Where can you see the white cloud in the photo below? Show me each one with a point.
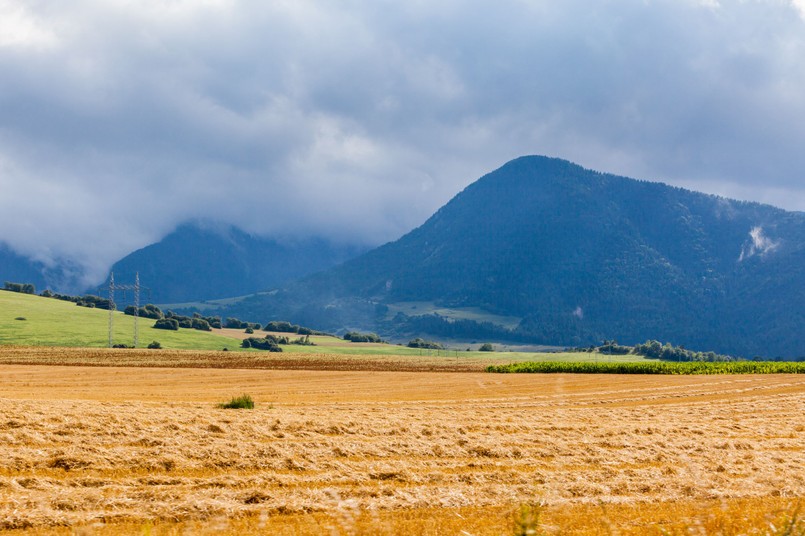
(800, 6)
(357, 120)
(20, 28)
(758, 244)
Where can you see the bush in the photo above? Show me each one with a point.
(422, 343)
(148, 311)
(354, 336)
(25, 288)
(154, 346)
(92, 301)
(486, 347)
(281, 327)
(249, 330)
(303, 341)
(122, 346)
(167, 323)
(240, 402)
(269, 343)
(613, 348)
(200, 324)
(234, 323)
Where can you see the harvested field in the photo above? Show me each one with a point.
(124, 450)
(104, 357)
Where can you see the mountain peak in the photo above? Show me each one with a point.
(572, 256)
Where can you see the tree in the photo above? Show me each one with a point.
(486, 347)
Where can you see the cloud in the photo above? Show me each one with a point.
(356, 121)
(758, 244)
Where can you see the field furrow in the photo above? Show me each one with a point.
(82, 445)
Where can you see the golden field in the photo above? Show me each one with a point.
(123, 450)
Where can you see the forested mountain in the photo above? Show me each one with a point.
(200, 261)
(576, 256)
(18, 269)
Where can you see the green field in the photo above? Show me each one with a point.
(654, 367)
(51, 322)
(333, 345)
(453, 313)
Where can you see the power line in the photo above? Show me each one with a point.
(136, 288)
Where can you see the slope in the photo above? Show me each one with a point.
(579, 256)
(200, 261)
(18, 269)
(27, 320)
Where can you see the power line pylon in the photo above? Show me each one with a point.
(136, 288)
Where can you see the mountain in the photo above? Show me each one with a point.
(200, 261)
(572, 256)
(18, 269)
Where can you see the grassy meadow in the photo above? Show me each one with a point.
(51, 322)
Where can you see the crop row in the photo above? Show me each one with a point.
(696, 367)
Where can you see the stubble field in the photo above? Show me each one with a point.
(119, 450)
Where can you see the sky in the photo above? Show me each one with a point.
(355, 121)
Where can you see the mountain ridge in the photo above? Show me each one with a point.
(201, 261)
(579, 255)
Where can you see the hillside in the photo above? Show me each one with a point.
(27, 320)
(18, 269)
(51, 322)
(203, 262)
(576, 256)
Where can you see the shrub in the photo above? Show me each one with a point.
(148, 311)
(122, 346)
(269, 343)
(200, 324)
(281, 327)
(92, 301)
(25, 288)
(354, 336)
(527, 520)
(303, 341)
(613, 348)
(234, 323)
(154, 346)
(249, 330)
(240, 402)
(167, 323)
(421, 343)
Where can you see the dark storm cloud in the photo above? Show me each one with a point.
(357, 120)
